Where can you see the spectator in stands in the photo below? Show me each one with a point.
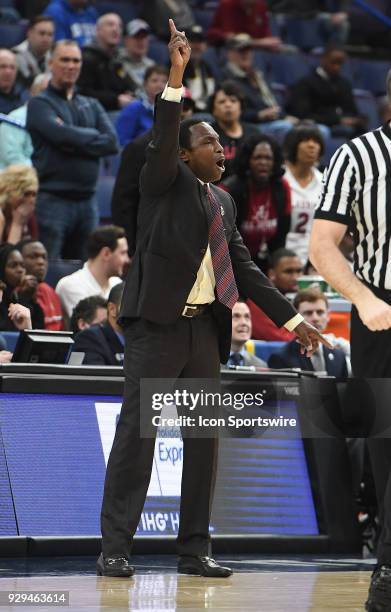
(16, 146)
(104, 344)
(74, 20)
(70, 133)
(312, 304)
(241, 333)
(243, 16)
(199, 76)
(261, 106)
(107, 250)
(89, 311)
(303, 148)
(226, 107)
(325, 96)
(35, 258)
(18, 194)
(158, 12)
(20, 288)
(134, 56)
(126, 194)
(12, 94)
(284, 269)
(103, 75)
(33, 54)
(137, 117)
(262, 197)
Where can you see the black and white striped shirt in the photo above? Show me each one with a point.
(357, 192)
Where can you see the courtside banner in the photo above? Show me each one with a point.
(55, 454)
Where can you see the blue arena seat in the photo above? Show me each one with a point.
(103, 193)
(12, 34)
(373, 76)
(109, 165)
(285, 68)
(10, 339)
(264, 349)
(61, 267)
(204, 17)
(303, 33)
(158, 51)
(367, 105)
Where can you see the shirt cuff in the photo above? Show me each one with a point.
(172, 94)
(293, 322)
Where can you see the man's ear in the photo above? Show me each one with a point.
(184, 155)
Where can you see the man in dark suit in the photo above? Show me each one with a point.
(313, 305)
(326, 96)
(104, 344)
(176, 315)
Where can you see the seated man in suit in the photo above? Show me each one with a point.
(104, 344)
(241, 332)
(312, 304)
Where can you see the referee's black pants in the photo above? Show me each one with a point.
(371, 358)
(188, 349)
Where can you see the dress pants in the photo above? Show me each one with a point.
(188, 349)
(371, 358)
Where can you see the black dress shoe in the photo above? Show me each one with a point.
(379, 596)
(202, 566)
(114, 566)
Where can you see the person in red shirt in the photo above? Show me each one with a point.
(284, 269)
(243, 16)
(36, 261)
(262, 197)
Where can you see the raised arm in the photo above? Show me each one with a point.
(162, 154)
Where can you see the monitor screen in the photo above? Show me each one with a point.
(42, 346)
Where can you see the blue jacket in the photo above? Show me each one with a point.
(69, 137)
(77, 25)
(134, 120)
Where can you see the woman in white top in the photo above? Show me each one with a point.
(303, 147)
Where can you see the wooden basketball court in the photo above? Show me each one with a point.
(243, 592)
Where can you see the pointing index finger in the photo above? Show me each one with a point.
(172, 26)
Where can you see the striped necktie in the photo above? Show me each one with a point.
(226, 289)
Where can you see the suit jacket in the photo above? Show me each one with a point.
(101, 346)
(290, 357)
(172, 238)
(126, 193)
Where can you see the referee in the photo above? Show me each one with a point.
(357, 192)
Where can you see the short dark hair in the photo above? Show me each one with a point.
(86, 310)
(22, 243)
(115, 295)
(331, 47)
(155, 69)
(104, 236)
(310, 294)
(279, 254)
(300, 133)
(230, 88)
(185, 133)
(39, 19)
(242, 159)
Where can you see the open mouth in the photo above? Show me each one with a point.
(220, 163)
